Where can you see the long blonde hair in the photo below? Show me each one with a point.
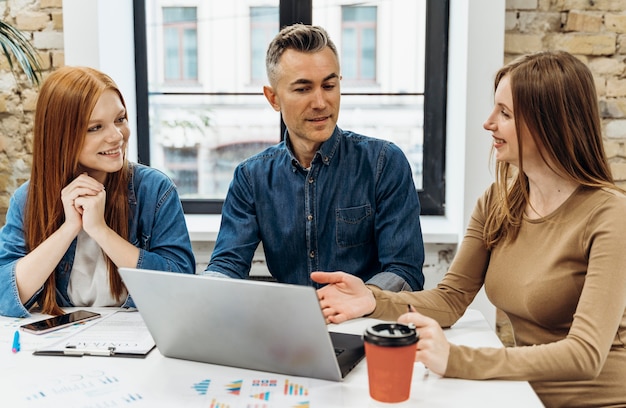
(64, 106)
(554, 97)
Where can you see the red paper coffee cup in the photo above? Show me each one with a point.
(390, 356)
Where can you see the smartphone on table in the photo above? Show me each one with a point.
(59, 322)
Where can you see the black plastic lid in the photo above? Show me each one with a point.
(391, 334)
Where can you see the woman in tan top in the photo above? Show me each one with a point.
(547, 240)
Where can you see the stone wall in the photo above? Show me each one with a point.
(594, 30)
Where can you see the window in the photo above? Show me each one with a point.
(263, 27)
(208, 101)
(180, 44)
(181, 167)
(358, 43)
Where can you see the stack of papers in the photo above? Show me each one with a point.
(119, 334)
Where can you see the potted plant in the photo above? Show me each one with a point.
(15, 44)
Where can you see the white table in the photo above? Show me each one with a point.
(156, 381)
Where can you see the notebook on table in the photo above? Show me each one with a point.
(265, 326)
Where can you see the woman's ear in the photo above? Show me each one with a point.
(272, 97)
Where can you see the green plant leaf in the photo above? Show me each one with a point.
(15, 44)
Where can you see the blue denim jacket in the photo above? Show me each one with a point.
(356, 210)
(157, 228)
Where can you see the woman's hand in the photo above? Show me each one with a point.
(92, 210)
(433, 349)
(75, 196)
(344, 297)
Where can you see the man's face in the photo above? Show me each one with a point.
(307, 94)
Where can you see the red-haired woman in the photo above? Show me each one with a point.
(86, 210)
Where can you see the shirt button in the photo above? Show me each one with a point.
(311, 180)
(312, 254)
(309, 217)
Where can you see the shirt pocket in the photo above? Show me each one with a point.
(354, 225)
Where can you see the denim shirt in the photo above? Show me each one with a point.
(355, 210)
(157, 227)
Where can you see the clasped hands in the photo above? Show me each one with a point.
(84, 199)
(346, 297)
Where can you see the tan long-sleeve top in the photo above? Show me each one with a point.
(562, 283)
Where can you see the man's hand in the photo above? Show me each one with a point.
(344, 297)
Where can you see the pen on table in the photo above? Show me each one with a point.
(71, 350)
(16, 342)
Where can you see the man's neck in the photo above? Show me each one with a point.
(304, 152)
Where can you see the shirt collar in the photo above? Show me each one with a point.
(324, 154)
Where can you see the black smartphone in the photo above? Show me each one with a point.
(58, 322)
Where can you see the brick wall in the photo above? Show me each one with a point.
(594, 30)
(42, 22)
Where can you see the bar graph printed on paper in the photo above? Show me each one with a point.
(202, 387)
(216, 404)
(36, 396)
(264, 391)
(294, 389)
(264, 383)
(108, 380)
(234, 387)
(265, 396)
(132, 398)
(95, 382)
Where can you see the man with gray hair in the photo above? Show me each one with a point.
(323, 199)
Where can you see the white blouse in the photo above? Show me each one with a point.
(89, 279)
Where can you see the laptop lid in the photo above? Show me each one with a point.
(257, 325)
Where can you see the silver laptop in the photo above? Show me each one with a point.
(257, 325)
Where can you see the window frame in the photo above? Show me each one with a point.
(181, 27)
(359, 27)
(432, 195)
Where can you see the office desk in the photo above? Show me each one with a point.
(156, 381)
